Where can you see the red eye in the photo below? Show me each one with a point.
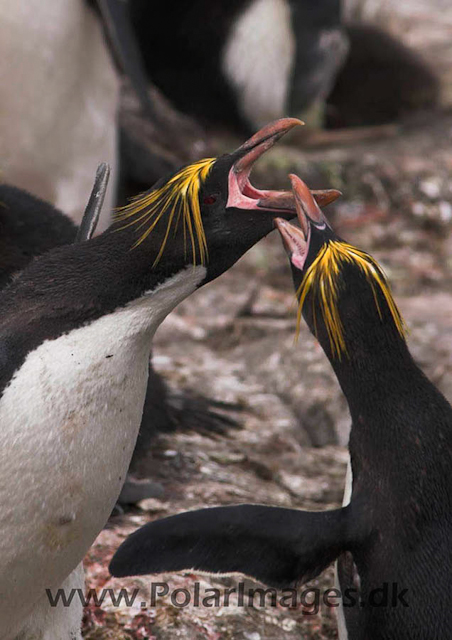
(209, 200)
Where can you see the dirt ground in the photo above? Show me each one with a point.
(235, 341)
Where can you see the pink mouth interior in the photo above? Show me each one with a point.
(295, 241)
(299, 256)
(243, 195)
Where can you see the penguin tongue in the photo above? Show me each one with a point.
(241, 193)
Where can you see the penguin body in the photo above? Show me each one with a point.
(28, 227)
(244, 62)
(241, 63)
(76, 329)
(393, 538)
(87, 396)
(396, 525)
(58, 118)
(381, 81)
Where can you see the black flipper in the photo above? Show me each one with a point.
(166, 412)
(94, 207)
(193, 412)
(117, 21)
(116, 17)
(279, 547)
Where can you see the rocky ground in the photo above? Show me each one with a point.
(235, 341)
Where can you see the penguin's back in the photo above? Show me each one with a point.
(28, 227)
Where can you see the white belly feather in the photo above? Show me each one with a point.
(68, 424)
(59, 102)
(341, 624)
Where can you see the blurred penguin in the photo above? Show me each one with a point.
(59, 101)
(382, 81)
(242, 62)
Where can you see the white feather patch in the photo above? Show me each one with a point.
(258, 60)
(58, 113)
(341, 624)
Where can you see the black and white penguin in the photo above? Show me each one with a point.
(392, 539)
(29, 227)
(76, 328)
(242, 62)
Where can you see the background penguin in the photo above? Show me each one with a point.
(28, 227)
(59, 111)
(397, 526)
(243, 62)
(235, 65)
(75, 334)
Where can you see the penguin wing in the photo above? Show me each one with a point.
(94, 207)
(125, 48)
(279, 547)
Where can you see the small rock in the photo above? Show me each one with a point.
(170, 453)
(134, 491)
(153, 505)
(431, 188)
(445, 211)
(227, 458)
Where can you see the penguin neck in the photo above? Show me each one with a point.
(373, 369)
(97, 277)
(389, 397)
(78, 285)
(401, 435)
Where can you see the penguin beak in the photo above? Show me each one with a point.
(296, 239)
(242, 194)
(307, 208)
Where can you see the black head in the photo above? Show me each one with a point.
(205, 214)
(208, 212)
(342, 291)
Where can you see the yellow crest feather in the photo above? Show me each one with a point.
(323, 278)
(178, 198)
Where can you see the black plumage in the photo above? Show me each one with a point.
(395, 532)
(28, 227)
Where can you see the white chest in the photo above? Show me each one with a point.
(68, 424)
(258, 60)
